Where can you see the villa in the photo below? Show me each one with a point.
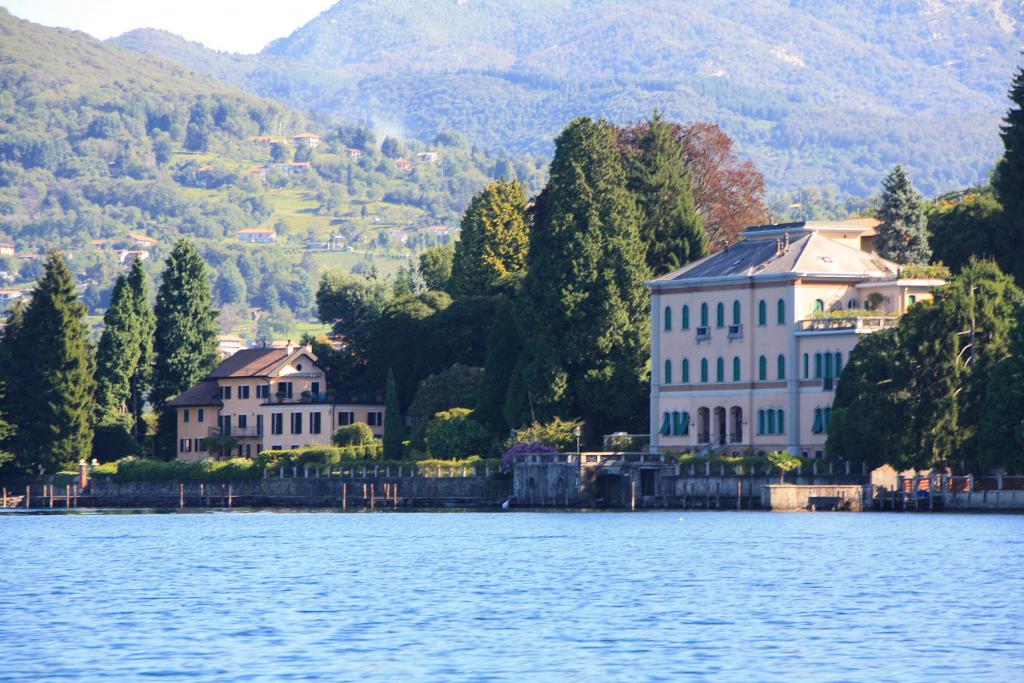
(747, 343)
(266, 399)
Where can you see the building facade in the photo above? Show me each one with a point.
(747, 344)
(265, 399)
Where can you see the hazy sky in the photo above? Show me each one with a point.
(233, 25)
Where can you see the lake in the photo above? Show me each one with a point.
(279, 596)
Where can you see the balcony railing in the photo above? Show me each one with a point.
(236, 431)
(304, 397)
(703, 332)
(867, 323)
(735, 331)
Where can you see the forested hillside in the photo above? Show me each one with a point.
(815, 91)
(100, 145)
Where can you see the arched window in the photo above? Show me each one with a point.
(704, 315)
(762, 312)
(762, 368)
(720, 315)
(771, 421)
(686, 318)
(720, 370)
(736, 369)
(819, 306)
(760, 421)
(685, 369)
(782, 366)
(780, 312)
(735, 312)
(668, 318)
(704, 370)
(668, 372)
(782, 422)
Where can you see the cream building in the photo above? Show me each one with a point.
(746, 344)
(266, 399)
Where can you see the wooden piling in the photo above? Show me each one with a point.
(229, 496)
(28, 497)
(202, 490)
(5, 498)
(344, 495)
(394, 495)
(50, 490)
(181, 495)
(364, 495)
(632, 495)
(739, 494)
(718, 495)
(74, 499)
(67, 496)
(371, 495)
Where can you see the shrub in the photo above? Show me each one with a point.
(522, 449)
(355, 434)
(559, 434)
(456, 434)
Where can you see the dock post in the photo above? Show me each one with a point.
(28, 497)
(5, 498)
(181, 495)
(202, 490)
(739, 494)
(229, 496)
(74, 490)
(67, 496)
(394, 494)
(50, 489)
(344, 495)
(364, 495)
(718, 495)
(371, 495)
(632, 495)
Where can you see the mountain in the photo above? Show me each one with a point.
(815, 91)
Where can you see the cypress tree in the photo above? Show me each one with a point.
(671, 226)
(585, 309)
(503, 346)
(903, 235)
(493, 239)
(393, 431)
(145, 326)
(52, 389)
(117, 356)
(185, 342)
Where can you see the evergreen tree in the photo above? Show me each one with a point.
(117, 357)
(435, 267)
(7, 365)
(1008, 183)
(50, 390)
(503, 346)
(903, 235)
(185, 343)
(584, 308)
(671, 227)
(145, 330)
(1001, 426)
(493, 238)
(393, 430)
(197, 135)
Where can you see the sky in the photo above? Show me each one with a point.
(231, 25)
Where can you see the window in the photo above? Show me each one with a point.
(781, 366)
(839, 363)
(720, 315)
(243, 392)
(375, 418)
(780, 312)
(782, 422)
(685, 379)
(259, 426)
(852, 304)
(225, 425)
(296, 420)
(346, 417)
(807, 372)
(720, 369)
(668, 372)
(771, 421)
(703, 315)
(819, 423)
(668, 318)
(314, 423)
(314, 388)
(817, 366)
(225, 393)
(913, 299)
(186, 415)
(277, 447)
(762, 312)
(704, 370)
(243, 421)
(666, 425)
(200, 415)
(262, 391)
(284, 389)
(736, 369)
(828, 365)
(681, 427)
(760, 422)
(686, 318)
(735, 312)
(819, 306)
(277, 423)
(762, 368)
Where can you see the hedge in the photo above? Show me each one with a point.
(749, 461)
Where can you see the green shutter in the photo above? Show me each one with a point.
(762, 313)
(668, 318)
(666, 425)
(735, 312)
(817, 428)
(677, 424)
(686, 424)
(667, 379)
(781, 312)
(782, 366)
(720, 370)
(762, 368)
(685, 379)
(686, 317)
(760, 422)
(771, 421)
(782, 422)
(720, 315)
(736, 369)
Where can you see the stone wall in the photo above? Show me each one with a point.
(984, 500)
(819, 496)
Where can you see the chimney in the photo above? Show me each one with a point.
(289, 348)
(308, 348)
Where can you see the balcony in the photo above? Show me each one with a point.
(304, 397)
(239, 432)
(735, 331)
(703, 333)
(864, 323)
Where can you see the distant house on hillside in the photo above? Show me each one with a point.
(294, 168)
(400, 236)
(403, 164)
(127, 256)
(144, 240)
(337, 241)
(229, 344)
(6, 249)
(9, 296)
(260, 172)
(436, 230)
(257, 235)
(427, 157)
(353, 153)
(263, 139)
(310, 140)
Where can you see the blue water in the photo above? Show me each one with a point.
(513, 596)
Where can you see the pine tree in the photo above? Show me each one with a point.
(671, 226)
(185, 342)
(7, 367)
(584, 311)
(393, 431)
(145, 322)
(503, 346)
(903, 235)
(493, 239)
(51, 390)
(1008, 182)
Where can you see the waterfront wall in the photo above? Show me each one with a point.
(790, 498)
(986, 500)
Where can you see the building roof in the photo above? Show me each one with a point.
(203, 393)
(255, 231)
(788, 249)
(249, 363)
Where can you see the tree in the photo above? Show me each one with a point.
(493, 238)
(1001, 425)
(456, 386)
(117, 357)
(50, 390)
(351, 305)
(557, 433)
(1008, 183)
(728, 191)
(391, 148)
(355, 434)
(197, 136)
(503, 346)
(965, 226)
(783, 462)
(145, 321)
(455, 434)
(393, 430)
(435, 267)
(584, 309)
(185, 343)
(903, 235)
(280, 153)
(671, 226)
